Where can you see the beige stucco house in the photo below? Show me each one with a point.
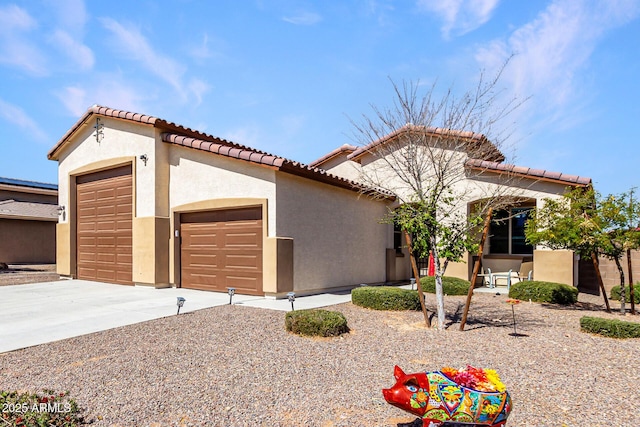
(28, 216)
(150, 202)
(476, 171)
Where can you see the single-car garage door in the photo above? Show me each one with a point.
(104, 216)
(222, 249)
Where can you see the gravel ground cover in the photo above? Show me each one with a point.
(237, 366)
(20, 274)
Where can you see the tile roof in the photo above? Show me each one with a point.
(492, 153)
(573, 180)
(265, 159)
(346, 148)
(180, 135)
(12, 209)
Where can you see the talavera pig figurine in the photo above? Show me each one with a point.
(439, 400)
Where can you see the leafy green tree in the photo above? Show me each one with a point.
(419, 148)
(589, 224)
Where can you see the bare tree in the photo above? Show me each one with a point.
(431, 151)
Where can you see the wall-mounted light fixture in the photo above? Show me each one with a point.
(231, 291)
(144, 158)
(99, 130)
(60, 210)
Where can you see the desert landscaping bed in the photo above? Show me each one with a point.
(22, 274)
(237, 366)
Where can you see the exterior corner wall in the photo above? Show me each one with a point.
(459, 270)
(338, 240)
(63, 250)
(151, 251)
(344, 168)
(278, 270)
(553, 266)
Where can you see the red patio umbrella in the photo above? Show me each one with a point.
(432, 266)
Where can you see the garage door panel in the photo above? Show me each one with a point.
(199, 260)
(104, 223)
(243, 240)
(243, 284)
(222, 249)
(205, 240)
(242, 262)
(106, 275)
(124, 224)
(106, 257)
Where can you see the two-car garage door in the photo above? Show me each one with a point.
(219, 249)
(222, 249)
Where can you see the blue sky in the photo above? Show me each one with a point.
(287, 76)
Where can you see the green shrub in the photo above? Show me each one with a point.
(615, 293)
(322, 323)
(49, 409)
(612, 328)
(450, 285)
(555, 293)
(385, 298)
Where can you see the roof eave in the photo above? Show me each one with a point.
(100, 111)
(577, 183)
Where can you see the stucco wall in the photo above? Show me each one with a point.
(122, 143)
(121, 140)
(340, 166)
(23, 241)
(338, 240)
(198, 176)
(471, 186)
(554, 266)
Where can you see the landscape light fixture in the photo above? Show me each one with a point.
(413, 282)
(180, 304)
(291, 296)
(231, 292)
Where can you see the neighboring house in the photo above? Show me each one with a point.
(150, 202)
(28, 216)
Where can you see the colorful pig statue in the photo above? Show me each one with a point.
(437, 399)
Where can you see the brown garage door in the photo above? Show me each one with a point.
(222, 249)
(104, 215)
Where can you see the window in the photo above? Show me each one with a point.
(397, 239)
(507, 232)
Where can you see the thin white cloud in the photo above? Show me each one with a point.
(132, 43)
(553, 49)
(70, 14)
(201, 51)
(16, 48)
(303, 18)
(460, 16)
(248, 135)
(107, 90)
(16, 115)
(80, 54)
(74, 100)
(198, 88)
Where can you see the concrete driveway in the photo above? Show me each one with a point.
(43, 312)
